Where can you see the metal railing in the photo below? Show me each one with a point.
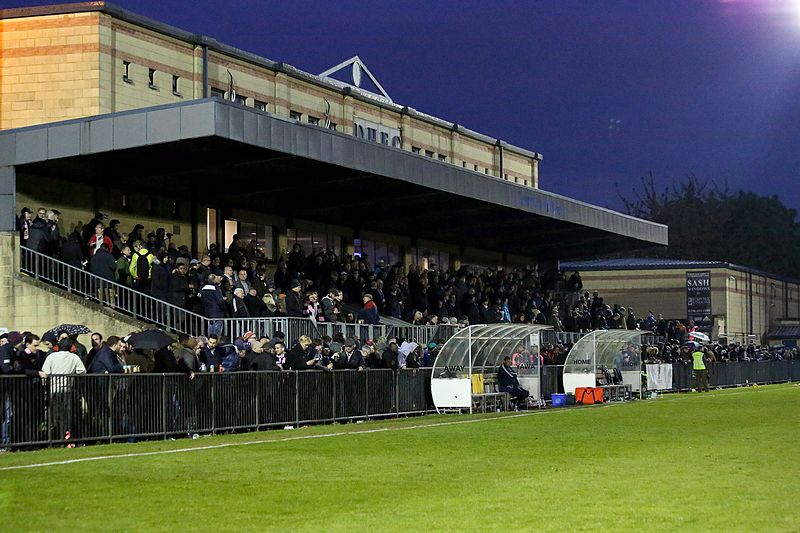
(360, 331)
(736, 373)
(423, 334)
(114, 295)
(113, 407)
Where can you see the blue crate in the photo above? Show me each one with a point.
(559, 400)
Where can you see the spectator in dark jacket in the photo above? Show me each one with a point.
(102, 264)
(39, 233)
(255, 305)
(389, 356)
(72, 253)
(294, 302)
(350, 358)
(300, 357)
(213, 304)
(107, 360)
(178, 286)
(238, 307)
(160, 278)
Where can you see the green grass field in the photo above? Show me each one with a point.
(719, 461)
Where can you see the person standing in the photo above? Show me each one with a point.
(24, 225)
(102, 264)
(58, 366)
(141, 265)
(108, 359)
(700, 370)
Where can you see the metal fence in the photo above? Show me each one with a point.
(735, 373)
(729, 374)
(106, 408)
(423, 334)
(360, 331)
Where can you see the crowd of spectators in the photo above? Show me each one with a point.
(675, 351)
(33, 355)
(328, 287)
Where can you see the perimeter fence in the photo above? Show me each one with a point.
(116, 407)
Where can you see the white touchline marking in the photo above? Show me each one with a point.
(678, 396)
(269, 441)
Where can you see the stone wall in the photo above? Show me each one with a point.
(30, 305)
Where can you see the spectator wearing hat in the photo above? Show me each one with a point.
(350, 357)
(430, 354)
(294, 303)
(369, 313)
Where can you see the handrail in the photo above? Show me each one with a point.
(114, 295)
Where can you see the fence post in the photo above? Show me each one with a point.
(258, 398)
(164, 405)
(297, 397)
(213, 381)
(110, 399)
(333, 389)
(366, 396)
(49, 409)
(397, 392)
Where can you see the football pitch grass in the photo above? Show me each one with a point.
(719, 461)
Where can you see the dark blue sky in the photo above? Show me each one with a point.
(607, 90)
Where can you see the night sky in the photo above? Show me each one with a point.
(607, 91)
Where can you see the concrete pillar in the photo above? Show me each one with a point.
(8, 193)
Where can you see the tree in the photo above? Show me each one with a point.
(706, 222)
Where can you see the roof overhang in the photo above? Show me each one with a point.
(250, 159)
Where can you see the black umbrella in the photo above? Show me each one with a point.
(69, 329)
(150, 339)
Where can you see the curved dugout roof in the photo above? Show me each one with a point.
(274, 158)
(482, 346)
(604, 350)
